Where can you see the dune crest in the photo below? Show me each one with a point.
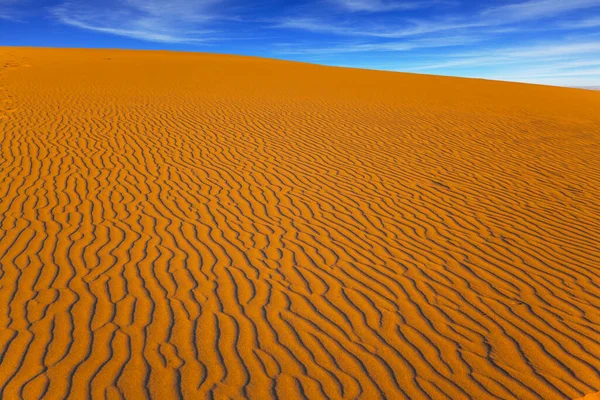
(207, 226)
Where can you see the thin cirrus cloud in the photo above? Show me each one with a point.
(470, 43)
(558, 53)
(585, 23)
(377, 5)
(9, 9)
(409, 28)
(395, 46)
(576, 63)
(178, 21)
(489, 17)
(535, 9)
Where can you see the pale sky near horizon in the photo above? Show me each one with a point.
(539, 41)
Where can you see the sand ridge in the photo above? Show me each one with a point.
(209, 226)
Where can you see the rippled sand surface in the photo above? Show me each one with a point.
(209, 226)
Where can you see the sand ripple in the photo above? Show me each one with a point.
(202, 226)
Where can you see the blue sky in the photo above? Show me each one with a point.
(553, 42)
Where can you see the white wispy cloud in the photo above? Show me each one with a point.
(8, 9)
(409, 28)
(177, 21)
(575, 63)
(378, 5)
(542, 53)
(394, 33)
(396, 46)
(489, 17)
(593, 22)
(534, 9)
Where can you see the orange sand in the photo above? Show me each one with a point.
(591, 396)
(196, 225)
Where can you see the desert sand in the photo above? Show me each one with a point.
(210, 226)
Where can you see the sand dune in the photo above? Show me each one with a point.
(207, 226)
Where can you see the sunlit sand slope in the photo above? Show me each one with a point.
(207, 226)
(591, 396)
